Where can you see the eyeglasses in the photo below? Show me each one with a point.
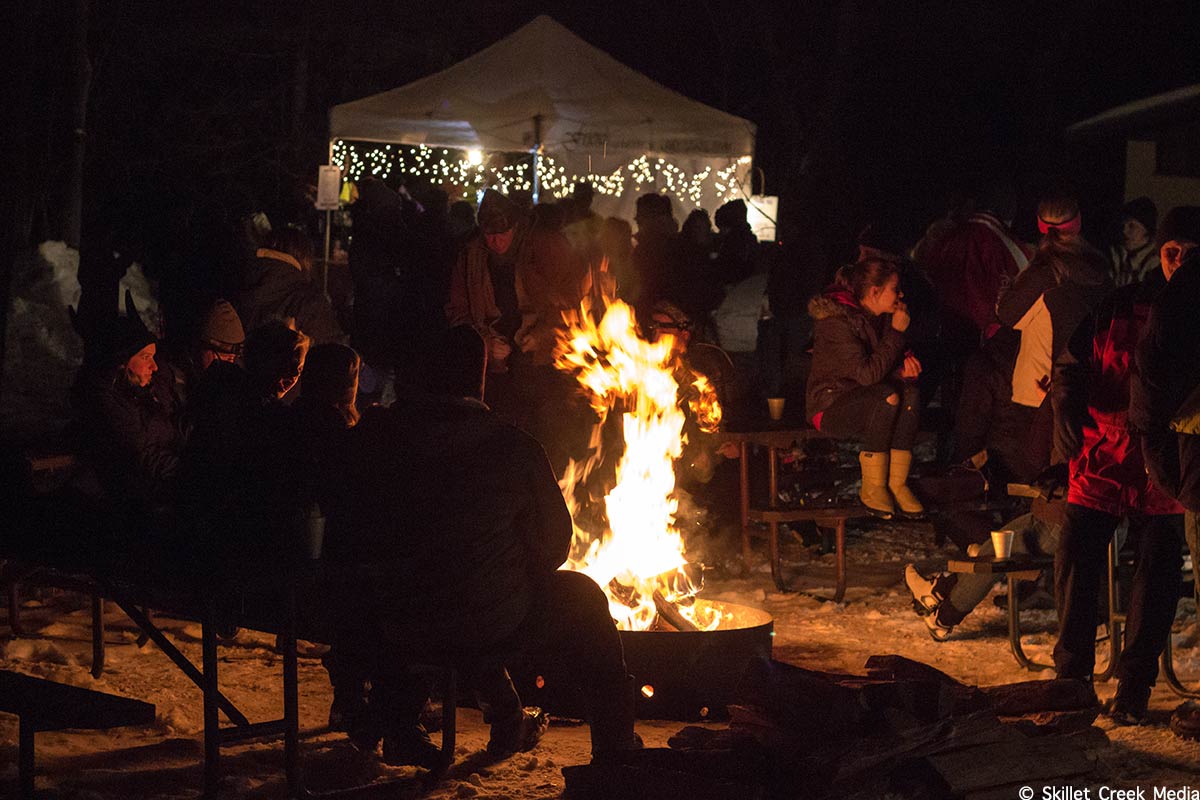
(234, 350)
(1176, 252)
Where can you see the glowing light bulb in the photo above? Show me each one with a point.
(474, 157)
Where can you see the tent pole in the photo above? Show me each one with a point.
(537, 152)
(328, 228)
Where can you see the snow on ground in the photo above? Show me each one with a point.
(164, 760)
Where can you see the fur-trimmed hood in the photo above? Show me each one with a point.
(836, 300)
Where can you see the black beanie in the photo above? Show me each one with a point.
(1144, 211)
(1182, 224)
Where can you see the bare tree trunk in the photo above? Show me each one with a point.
(17, 206)
(826, 157)
(73, 211)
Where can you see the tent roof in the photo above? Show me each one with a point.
(589, 103)
(1147, 113)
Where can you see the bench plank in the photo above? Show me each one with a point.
(825, 514)
(51, 706)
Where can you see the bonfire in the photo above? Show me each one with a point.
(631, 546)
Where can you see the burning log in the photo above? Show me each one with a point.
(668, 611)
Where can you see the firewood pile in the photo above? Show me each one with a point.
(903, 729)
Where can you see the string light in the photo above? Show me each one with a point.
(472, 173)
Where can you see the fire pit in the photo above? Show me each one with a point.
(686, 653)
(682, 675)
(692, 675)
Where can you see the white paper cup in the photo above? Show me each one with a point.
(314, 536)
(1002, 543)
(775, 407)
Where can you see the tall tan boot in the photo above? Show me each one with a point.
(906, 501)
(874, 492)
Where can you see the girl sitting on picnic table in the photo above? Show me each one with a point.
(863, 380)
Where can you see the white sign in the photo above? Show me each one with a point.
(329, 186)
(761, 212)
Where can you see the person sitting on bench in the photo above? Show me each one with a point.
(453, 527)
(130, 423)
(943, 601)
(863, 381)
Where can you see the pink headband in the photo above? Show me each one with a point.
(1071, 225)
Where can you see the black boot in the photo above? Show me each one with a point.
(613, 718)
(518, 733)
(1129, 705)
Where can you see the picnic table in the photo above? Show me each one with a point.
(776, 437)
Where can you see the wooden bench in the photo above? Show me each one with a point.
(281, 619)
(42, 705)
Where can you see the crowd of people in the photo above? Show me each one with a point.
(428, 424)
(445, 525)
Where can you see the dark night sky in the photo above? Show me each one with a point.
(864, 108)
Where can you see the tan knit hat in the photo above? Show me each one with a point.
(222, 327)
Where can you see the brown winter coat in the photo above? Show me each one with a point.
(851, 348)
(550, 280)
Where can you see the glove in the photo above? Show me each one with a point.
(1052, 481)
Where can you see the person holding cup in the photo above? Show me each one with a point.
(862, 384)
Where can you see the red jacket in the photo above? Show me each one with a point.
(969, 263)
(1108, 472)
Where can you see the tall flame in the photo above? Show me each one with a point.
(634, 552)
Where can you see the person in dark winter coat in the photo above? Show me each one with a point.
(454, 526)
(1003, 415)
(1135, 256)
(512, 283)
(241, 491)
(862, 383)
(277, 286)
(1064, 281)
(968, 264)
(220, 338)
(889, 241)
(736, 245)
(1168, 372)
(131, 431)
(656, 257)
(375, 253)
(1108, 482)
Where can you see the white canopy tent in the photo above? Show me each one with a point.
(595, 119)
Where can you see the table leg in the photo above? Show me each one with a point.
(839, 593)
(1014, 629)
(744, 478)
(212, 723)
(291, 701)
(97, 635)
(25, 761)
(14, 609)
(773, 526)
(1169, 676)
(449, 720)
(1115, 617)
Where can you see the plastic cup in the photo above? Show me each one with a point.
(1002, 543)
(775, 407)
(314, 536)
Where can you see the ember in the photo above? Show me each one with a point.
(632, 548)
